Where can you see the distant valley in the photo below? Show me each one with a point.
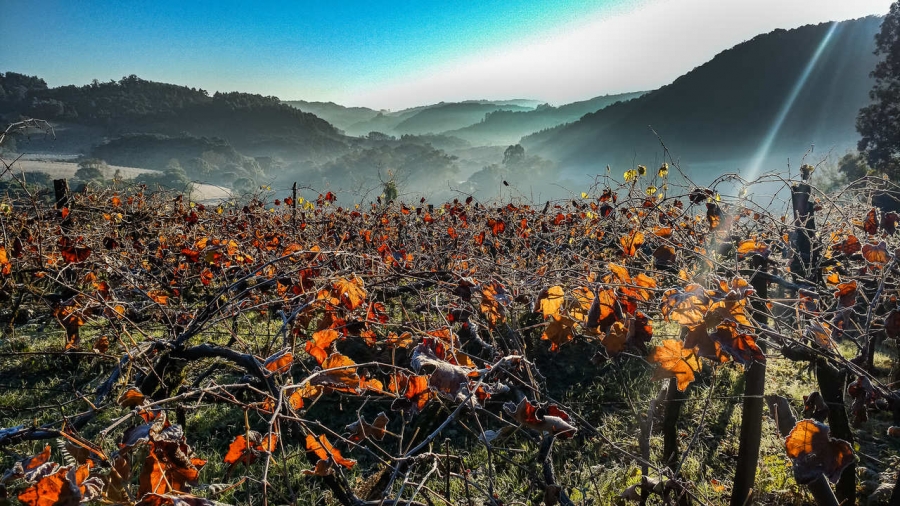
(761, 102)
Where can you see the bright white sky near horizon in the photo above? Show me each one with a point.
(395, 54)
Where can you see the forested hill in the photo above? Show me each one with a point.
(451, 116)
(724, 109)
(338, 115)
(252, 123)
(506, 127)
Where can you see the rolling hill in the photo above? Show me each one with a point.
(506, 127)
(799, 87)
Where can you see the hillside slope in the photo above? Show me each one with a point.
(725, 109)
(251, 123)
(507, 127)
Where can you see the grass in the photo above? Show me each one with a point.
(38, 388)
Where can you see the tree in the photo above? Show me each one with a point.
(877, 123)
(90, 170)
(853, 166)
(513, 154)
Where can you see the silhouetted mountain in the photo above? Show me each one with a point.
(383, 122)
(338, 115)
(426, 119)
(505, 127)
(725, 109)
(451, 116)
(251, 123)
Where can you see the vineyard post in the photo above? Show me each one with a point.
(61, 189)
(830, 379)
(294, 205)
(752, 409)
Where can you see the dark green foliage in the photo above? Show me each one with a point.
(853, 165)
(90, 170)
(252, 123)
(877, 123)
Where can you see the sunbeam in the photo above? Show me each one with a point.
(766, 145)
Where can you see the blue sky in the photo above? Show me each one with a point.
(393, 54)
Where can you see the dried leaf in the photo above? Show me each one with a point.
(323, 449)
(279, 362)
(675, 362)
(350, 291)
(130, 397)
(361, 429)
(545, 419)
(559, 331)
(549, 301)
(815, 453)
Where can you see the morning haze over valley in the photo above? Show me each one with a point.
(345, 99)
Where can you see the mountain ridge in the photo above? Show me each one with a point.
(725, 108)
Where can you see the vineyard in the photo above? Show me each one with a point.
(647, 341)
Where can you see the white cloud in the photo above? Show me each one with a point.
(638, 50)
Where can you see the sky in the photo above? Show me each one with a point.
(391, 54)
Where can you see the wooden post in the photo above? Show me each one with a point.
(832, 381)
(294, 205)
(752, 405)
(61, 189)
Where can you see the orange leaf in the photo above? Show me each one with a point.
(279, 362)
(580, 306)
(361, 429)
(846, 293)
(870, 225)
(153, 476)
(876, 254)
(323, 449)
(545, 419)
(698, 338)
(339, 373)
(741, 346)
(307, 391)
(549, 301)
(239, 451)
(559, 331)
(131, 397)
(350, 291)
(815, 453)
(5, 267)
(631, 242)
(53, 490)
(323, 468)
(614, 340)
(414, 391)
(748, 246)
(619, 275)
(849, 246)
(687, 307)
(320, 343)
(158, 296)
(675, 362)
(74, 255)
(37, 460)
(404, 340)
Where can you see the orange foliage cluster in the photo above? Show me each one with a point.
(482, 286)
